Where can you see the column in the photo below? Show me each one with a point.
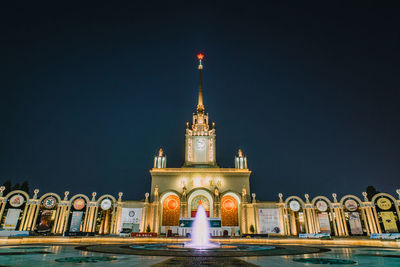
(346, 229)
(281, 207)
(307, 218)
(157, 217)
(307, 215)
(118, 213)
(63, 216)
(22, 223)
(293, 226)
(144, 213)
(2, 201)
(340, 219)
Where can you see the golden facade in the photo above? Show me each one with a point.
(177, 192)
(51, 214)
(200, 181)
(229, 211)
(347, 216)
(170, 214)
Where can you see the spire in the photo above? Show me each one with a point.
(200, 106)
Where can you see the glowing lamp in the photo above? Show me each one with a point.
(200, 56)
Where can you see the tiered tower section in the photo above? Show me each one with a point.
(200, 138)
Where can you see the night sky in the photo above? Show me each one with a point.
(90, 92)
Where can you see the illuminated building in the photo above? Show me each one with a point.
(176, 193)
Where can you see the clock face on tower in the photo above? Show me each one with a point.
(200, 150)
(201, 144)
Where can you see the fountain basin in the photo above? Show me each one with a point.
(212, 247)
(201, 247)
(180, 250)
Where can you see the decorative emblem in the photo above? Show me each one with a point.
(49, 202)
(79, 204)
(17, 201)
(384, 203)
(172, 204)
(131, 213)
(228, 204)
(294, 205)
(106, 204)
(200, 200)
(321, 205)
(351, 205)
(201, 144)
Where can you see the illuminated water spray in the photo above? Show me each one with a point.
(200, 231)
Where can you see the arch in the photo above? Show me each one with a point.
(103, 197)
(200, 191)
(350, 196)
(229, 210)
(232, 193)
(321, 197)
(45, 218)
(170, 205)
(168, 192)
(353, 218)
(22, 207)
(71, 213)
(389, 223)
(16, 192)
(77, 196)
(200, 200)
(197, 189)
(383, 195)
(103, 218)
(50, 194)
(296, 198)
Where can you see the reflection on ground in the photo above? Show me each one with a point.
(70, 256)
(360, 256)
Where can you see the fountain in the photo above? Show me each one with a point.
(200, 232)
(200, 245)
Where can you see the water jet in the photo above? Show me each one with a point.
(200, 232)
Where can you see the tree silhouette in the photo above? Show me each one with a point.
(25, 187)
(7, 185)
(371, 191)
(16, 187)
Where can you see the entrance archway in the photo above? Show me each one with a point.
(47, 213)
(105, 212)
(353, 215)
(200, 196)
(77, 213)
(196, 202)
(388, 212)
(323, 216)
(229, 211)
(294, 210)
(170, 210)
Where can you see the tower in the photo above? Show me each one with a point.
(199, 138)
(176, 193)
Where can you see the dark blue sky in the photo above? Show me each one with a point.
(90, 92)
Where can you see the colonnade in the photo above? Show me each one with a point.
(54, 214)
(348, 216)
